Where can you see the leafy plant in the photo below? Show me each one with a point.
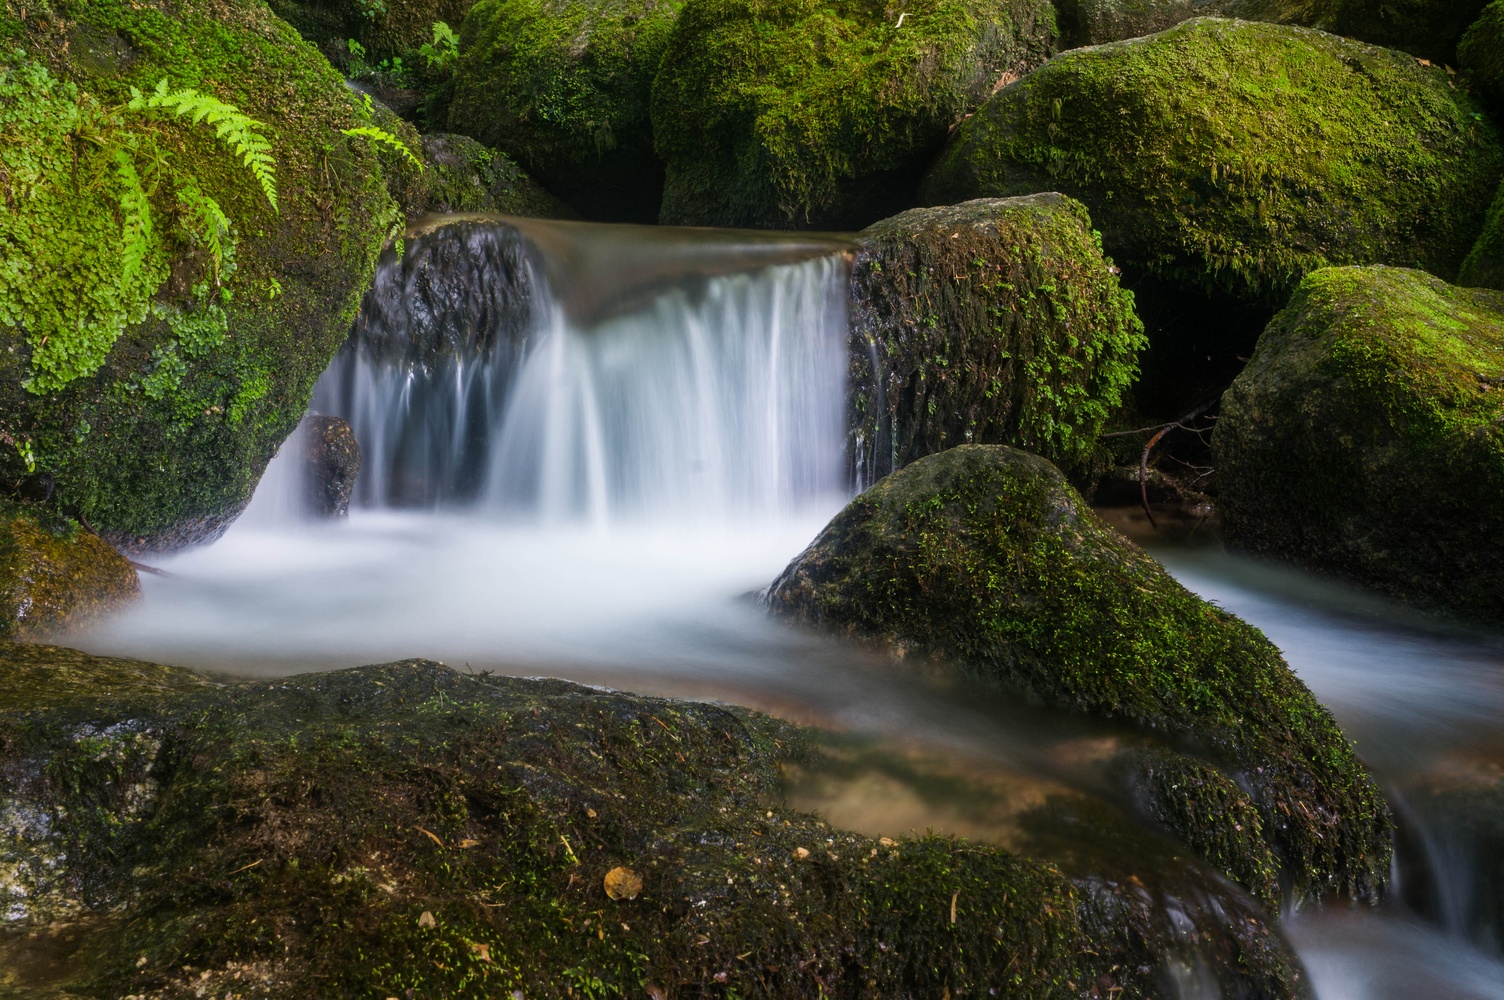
(385, 138)
(235, 130)
(442, 52)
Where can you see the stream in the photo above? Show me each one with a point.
(586, 448)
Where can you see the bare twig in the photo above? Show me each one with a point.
(1143, 473)
(139, 567)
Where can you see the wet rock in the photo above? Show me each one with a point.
(985, 558)
(1205, 160)
(403, 827)
(782, 114)
(54, 576)
(331, 457)
(464, 176)
(1364, 438)
(997, 321)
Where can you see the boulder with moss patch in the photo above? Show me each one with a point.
(563, 87)
(167, 310)
(1481, 51)
(985, 557)
(384, 28)
(55, 575)
(1484, 265)
(997, 321)
(402, 827)
(1241, 156)
(1366, 437)
(789, 114)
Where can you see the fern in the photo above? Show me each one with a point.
(213, 226)
(237, 131)
(382, 136)
(136, 232)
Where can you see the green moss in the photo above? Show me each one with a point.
(54, 576)
(386, 28)
(995, 322)
(562, 86)
(1242, 156)
(464, 176)
(1094, 22)
(1365, 437)
(790, 113)
(1481, 51)
(986, 558)
(1484, 266)
(164, 443)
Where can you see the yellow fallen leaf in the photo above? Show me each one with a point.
(427, 921)
(482, 951)
(801, 853)
(431, 836)
(467, 843)
(623, 883)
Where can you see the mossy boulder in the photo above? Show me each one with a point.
(464, 176)
(984, 557)
(997, 321)
(790, 114)
(1366, 437)
(1095, 22)
(384, 28)
(159, 349)
(1227, 154)
(403, 827)
(1484, 265)
(562, 86)
(54, 576)
(1481, 51)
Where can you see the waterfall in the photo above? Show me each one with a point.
(695, 377)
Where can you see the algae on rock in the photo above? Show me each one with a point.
(790, 114)
(990, 322)
(1366, 437)
(56, 576)
(983, 556)
(1242, 156)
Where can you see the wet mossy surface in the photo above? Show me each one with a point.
(151, 454)
(563, 86)
(1239, 156)
(464, 176)
(984, 557)
(991, 322)
(1366, 438)
(1481, 52)
(404, 827)
(55, 575)
(1484, 266)
(791, 114)
(385, 28)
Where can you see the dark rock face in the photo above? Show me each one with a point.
(1481, 51)
(331, 463)
(56, 576)
(1364, 438)
(1205, 159)
(986, 558)
(1484, 266)
(997, 321)
(403, 827)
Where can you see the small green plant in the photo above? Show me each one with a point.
(443, 50)
(384, 138)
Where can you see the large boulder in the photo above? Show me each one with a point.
(790, 114)
(1484, 265)
(997, 321)
(563, 86)
(164, 318)
(986, 558)
(56, 575)
(384, 28)
(1366, 437)
(1241, 156)
(404, 828)
(1481, 51)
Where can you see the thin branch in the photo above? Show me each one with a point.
(140, 567)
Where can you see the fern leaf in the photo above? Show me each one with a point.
(135, 211)
(213, 226)
(235, 130)
(385, 138)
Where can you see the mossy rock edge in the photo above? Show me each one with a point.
(56, 575)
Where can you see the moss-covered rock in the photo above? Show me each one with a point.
(788, 113)
(563, 86)
(385, 28)
(170, 351)
(990, 322)
(55, 576)
(985, 557)
(1481, 51)
(1242, 156)
(403, 827)
(1095, 22)
(1366, 437)
(1484, 265)
(464, 176)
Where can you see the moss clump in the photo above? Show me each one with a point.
(562, 86)
(1484, 266)
(790, 113)
(163, 444)
(385, 28)
(994, 321)
(1241, 156)
(402, 827)
(53, 577)
(985, 557)
(1364, 437)
(1481, 51)
(464, 176)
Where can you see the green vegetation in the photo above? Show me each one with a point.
(55, 575)
(1226, 154)
(991, 322)
(791, 113)
(1484, 266)
(384, 29)
(985, 557)
(1364, 437)
(1481, 51)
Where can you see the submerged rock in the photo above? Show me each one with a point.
(997, 321)
(1241, 156)
(563, 88)
(986, 558)
(155, 356)
(405, 828)
(331, 463)
(56, 576)
(1366, 437)
(787, 114)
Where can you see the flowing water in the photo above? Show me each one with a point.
(586, 446)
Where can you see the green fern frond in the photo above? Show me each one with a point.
(385, 138)
(212, 225)
(135, 213)
(234, 129)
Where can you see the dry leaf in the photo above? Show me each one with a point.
(800, 853)
(482, 951)
(467, 843)
(427, 921)
(623, 883)
(431, 836)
